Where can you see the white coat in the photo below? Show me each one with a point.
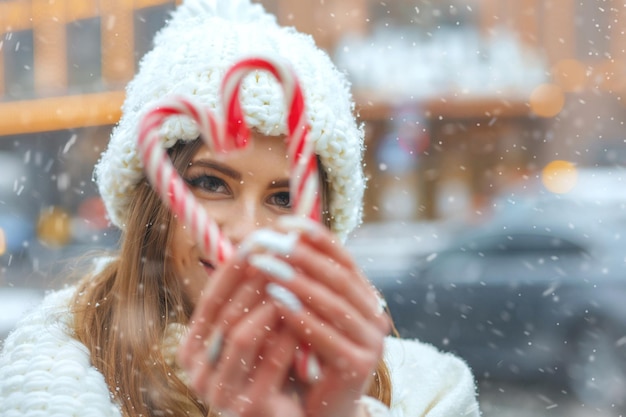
(44, 371)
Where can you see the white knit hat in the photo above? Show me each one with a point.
(190, 57)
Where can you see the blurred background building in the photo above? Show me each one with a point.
(459, 99)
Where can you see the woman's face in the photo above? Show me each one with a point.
(242, 191)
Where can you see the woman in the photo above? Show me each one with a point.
(157, 329)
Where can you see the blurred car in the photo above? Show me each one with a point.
(537, 291)
(390, 248)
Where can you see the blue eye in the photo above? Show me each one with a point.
(282, 199)
(208, 183)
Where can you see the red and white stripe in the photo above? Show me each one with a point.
(169, 184)
(234, 134)
(304, 179)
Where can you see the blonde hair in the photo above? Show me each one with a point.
(121, 313)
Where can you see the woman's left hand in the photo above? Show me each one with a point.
(340, 318)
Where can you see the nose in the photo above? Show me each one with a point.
(242, 218)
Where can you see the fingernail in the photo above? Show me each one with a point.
(313, 369)
(273, 266)
(214, 348)
(283, 296)
(279, 243)
(308, 366)
(300, 224)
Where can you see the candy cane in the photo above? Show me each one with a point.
(304, 179)
(168, 183)
(234, 134)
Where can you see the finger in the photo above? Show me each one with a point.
(246, 298)
(324, 259)
(318, 235)
(266, 240)
(276, 360)
(222, 284)
(243, 300)
(325, 244)
(307, 296)
(329, 342)
(347, 282)
(240, 354)
(340, 280)
(269, 391)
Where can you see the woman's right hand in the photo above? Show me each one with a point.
(237, 354)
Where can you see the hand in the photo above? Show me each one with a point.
(336, 314)
(341, 318)
(234, 358)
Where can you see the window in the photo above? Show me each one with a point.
(18, 64)
(84, 71)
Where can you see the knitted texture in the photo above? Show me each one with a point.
(45, 372)
(374, 408)
(192, 53)
(427, 382)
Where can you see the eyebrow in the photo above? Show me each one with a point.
(218, 167)
(284, 183)
(279, 183)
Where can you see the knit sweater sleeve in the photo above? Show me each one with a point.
(46, 372)
(427, 382)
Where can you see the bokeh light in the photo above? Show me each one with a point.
(93, 211)
(547, 100)
(54, 227)
(607, 75)
(559, 176)
(570, 75)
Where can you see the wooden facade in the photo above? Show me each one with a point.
(546, 25)
(549, 26)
